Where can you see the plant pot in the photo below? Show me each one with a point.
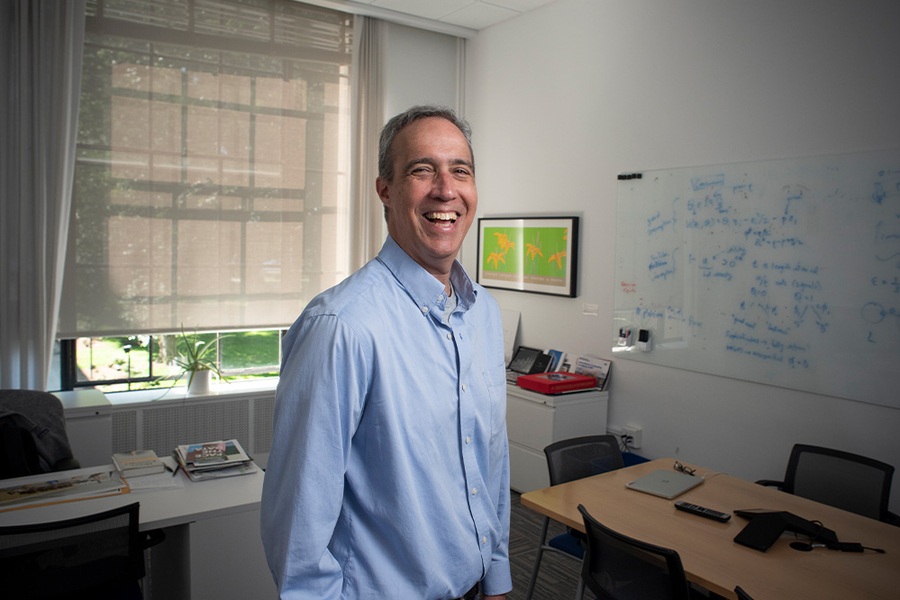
(199, 383)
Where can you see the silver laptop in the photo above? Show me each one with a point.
(665, 483)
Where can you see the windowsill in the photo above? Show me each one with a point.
(87, 397)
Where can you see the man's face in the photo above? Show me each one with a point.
(432, 199)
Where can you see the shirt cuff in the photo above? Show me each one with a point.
(498, 579)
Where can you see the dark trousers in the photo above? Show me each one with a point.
(471, 594)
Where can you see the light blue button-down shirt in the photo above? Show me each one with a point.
(388, 475)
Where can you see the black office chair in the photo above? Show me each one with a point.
(95, 557)
(849, 481)
(568, 460)
(33, 435)
(617, 567)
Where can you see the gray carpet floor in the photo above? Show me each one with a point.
(558, 575)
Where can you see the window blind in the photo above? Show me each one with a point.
(211, 180)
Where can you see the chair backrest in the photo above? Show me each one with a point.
(95, 556)
(617, 567)
(849, 481)
(577, 458)
(33, 436)
(18, 452)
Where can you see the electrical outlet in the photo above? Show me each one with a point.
(636, 434)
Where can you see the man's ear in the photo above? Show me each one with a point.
(381, 188)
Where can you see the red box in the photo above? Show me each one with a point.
(555, 382)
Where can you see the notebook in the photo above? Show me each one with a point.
(665, 483)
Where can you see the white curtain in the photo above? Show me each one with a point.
(367, 231)
(40, 67)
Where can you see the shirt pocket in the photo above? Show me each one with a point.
(495, 380)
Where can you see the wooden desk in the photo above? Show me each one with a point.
(710, 556)
(212, 548)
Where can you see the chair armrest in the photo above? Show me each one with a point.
(770, 483)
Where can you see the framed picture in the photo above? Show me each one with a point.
(529, 254)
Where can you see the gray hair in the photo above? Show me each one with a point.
(397, 123)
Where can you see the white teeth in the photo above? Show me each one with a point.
(436, 216)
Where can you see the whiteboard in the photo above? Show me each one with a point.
(782, 272)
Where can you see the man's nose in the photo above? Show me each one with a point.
(444, 186)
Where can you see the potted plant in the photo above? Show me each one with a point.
(195, 358)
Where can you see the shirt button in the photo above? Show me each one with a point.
(449, 336)
(484, 540)
(474, 491)
(468, 439)
(464, 387)
(424, 309)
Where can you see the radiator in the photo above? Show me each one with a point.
(163, 424)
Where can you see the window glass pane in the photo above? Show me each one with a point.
(112, 358)
(251, 353)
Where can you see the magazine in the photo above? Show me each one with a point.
(212, 454)
(230, 471)
(594, 367)
(209, 460)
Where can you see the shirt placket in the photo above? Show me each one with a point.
(467, 411)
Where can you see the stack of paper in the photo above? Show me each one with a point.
(212, 460)
(137, 463)
(65, 486)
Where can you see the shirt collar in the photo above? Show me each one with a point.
(424, 287)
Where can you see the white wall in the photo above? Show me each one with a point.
(419, 67)
(564, 98)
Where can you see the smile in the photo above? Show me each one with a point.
(436, 217)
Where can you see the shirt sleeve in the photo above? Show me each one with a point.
(498, 579)
(317, 409)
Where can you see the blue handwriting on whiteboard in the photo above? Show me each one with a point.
(701, 183)
(648, 313)
(893, 284)
(873, 312)
(766, 349)
(657, 223)
(890, 188)
(662, 264)
(677, 314)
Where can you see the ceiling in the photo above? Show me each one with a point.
(459, 17)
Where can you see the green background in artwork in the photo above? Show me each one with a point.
(548, 240)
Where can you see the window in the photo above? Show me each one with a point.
(211, 178)
(122, 363)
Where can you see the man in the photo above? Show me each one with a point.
(388, 476)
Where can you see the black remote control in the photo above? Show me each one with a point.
(702, 511)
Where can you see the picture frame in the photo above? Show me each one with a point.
(529, 254)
